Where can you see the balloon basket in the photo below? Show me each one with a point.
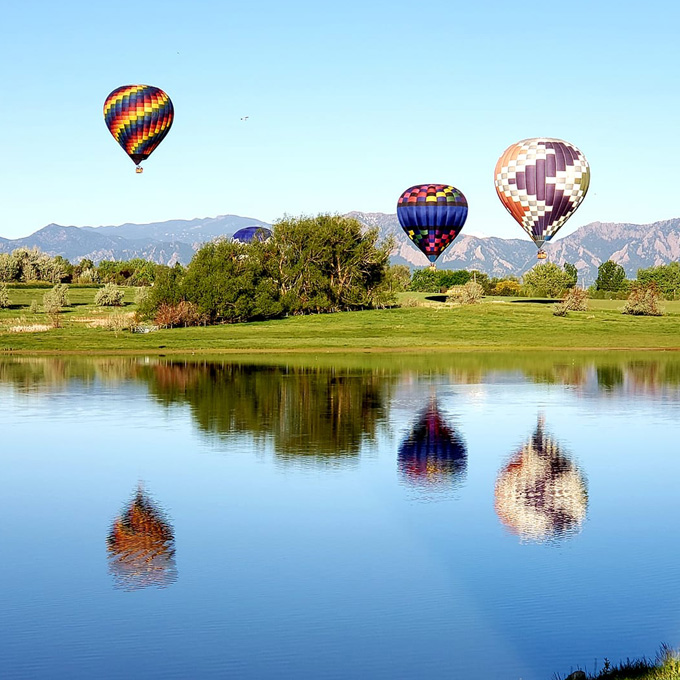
(139, 170)
(541, 255)
(433, 267)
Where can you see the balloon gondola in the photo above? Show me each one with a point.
(139, 117)
(540, 493)
(541, 182)
(141, 545)
(432, 215)
(433, 453)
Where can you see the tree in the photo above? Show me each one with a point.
(610, 276)
(546, 280)
(572, 272)
(665, 276)
(328, 263)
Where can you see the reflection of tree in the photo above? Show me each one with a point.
(141, 546)
(541, 493)
(321, 413)
(432, 454)
(609, 377)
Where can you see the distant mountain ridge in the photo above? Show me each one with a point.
(632, 245)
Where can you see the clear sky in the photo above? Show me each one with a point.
(349, 103)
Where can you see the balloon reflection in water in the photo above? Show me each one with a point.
(433, 454)
(141, 546)
(541, 494)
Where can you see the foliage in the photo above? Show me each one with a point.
(572, 272)
(665, 276)
(469, 294)
(438, 280)
(24, 264)
(310, 265)
(180, 314)
(4, 296)
(644, 300)
(109, 296)
(328, 263)
(34, 307)
(228, 281)
(141, 295)
(506, 287)
(399, 277)
(576, 300)
(60, 292)
(167, 289)
(546, 280)
(135, 272)
(610, 276)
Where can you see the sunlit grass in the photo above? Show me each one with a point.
(495, 324)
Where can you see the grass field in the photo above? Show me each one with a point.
(495, 324)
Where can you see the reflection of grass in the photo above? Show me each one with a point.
(666, 667)
(494, 325)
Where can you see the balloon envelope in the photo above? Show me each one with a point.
(138, 117)
(432, 215)
(542, 182)
(248, 234)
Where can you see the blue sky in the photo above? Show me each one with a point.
(348, 103)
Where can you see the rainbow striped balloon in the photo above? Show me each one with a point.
(138, 117)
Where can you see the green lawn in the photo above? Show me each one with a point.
(495, 324)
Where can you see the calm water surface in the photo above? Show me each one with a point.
(366, 517)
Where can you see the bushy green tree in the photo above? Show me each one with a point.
(328, 263)
(572, 272)
(610, 276)
(429, 280)
(546, 280)
(665, 276)
(228, 281)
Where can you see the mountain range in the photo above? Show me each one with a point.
(631, 245)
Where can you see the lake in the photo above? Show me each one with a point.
(361, 516)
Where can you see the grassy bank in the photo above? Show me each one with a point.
(666, 667)
(496, 324)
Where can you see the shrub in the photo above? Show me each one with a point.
(560, 309)
(119, 321)
(53, 301)
(576, 300)
(509, 287)
(141, 296)
(60, 292)
(469, 294)
(4, 295)
(33, 309)
(180, 314)
(644, 300)
(109, 296)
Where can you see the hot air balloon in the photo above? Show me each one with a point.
(433, 454)
(541, 182)
(254, 233)
(432, 215)
(141, 546)
(540, 493)
(138, 117)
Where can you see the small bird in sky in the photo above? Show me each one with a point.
(245, 117)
